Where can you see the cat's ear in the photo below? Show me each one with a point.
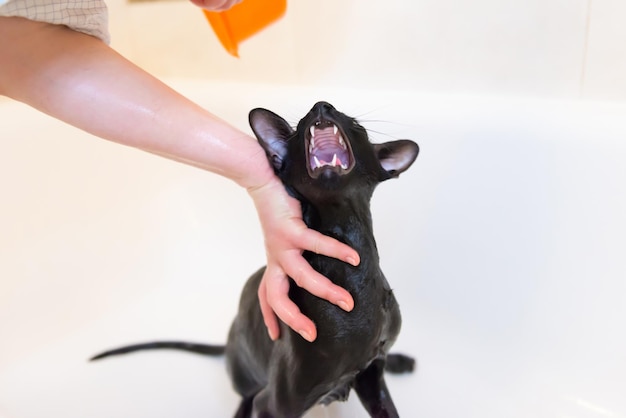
(396, 156)
(272, 131)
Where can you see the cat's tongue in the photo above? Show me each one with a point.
(327, 149)
(325, 138)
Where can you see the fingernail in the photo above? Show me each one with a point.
(273, 336)
(352, 261)
(344, 305)
(306, 335)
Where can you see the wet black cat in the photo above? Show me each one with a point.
(329, 165)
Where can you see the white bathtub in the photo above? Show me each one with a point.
(505, 244)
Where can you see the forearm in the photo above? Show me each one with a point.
(80, 80)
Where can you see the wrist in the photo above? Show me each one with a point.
(265, 190)
(273, 204)
(261, 181)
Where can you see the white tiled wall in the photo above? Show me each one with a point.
(554, 48)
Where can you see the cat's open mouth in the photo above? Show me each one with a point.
(327, 149)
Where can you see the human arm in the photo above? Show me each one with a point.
(78, 79)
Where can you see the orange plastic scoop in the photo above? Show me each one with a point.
(244, 20)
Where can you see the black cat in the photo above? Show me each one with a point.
(330, 166)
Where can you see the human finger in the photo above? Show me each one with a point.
(215, 5)
(319, 243)
(315, 283)
(269, 318)
(285, 309)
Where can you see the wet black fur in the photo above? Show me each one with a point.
(283, 379)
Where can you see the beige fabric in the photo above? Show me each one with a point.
(87, 16)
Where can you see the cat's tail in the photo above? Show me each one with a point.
(206, 349)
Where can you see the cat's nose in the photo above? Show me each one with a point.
(322, 107)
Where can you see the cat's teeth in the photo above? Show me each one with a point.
(311, 144)
(317, 162)
(341, 141)
(344, 166)
(334, 129)
(312, 131)
(334, 161)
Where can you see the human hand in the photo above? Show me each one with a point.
(286, 237)
(215, 5)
